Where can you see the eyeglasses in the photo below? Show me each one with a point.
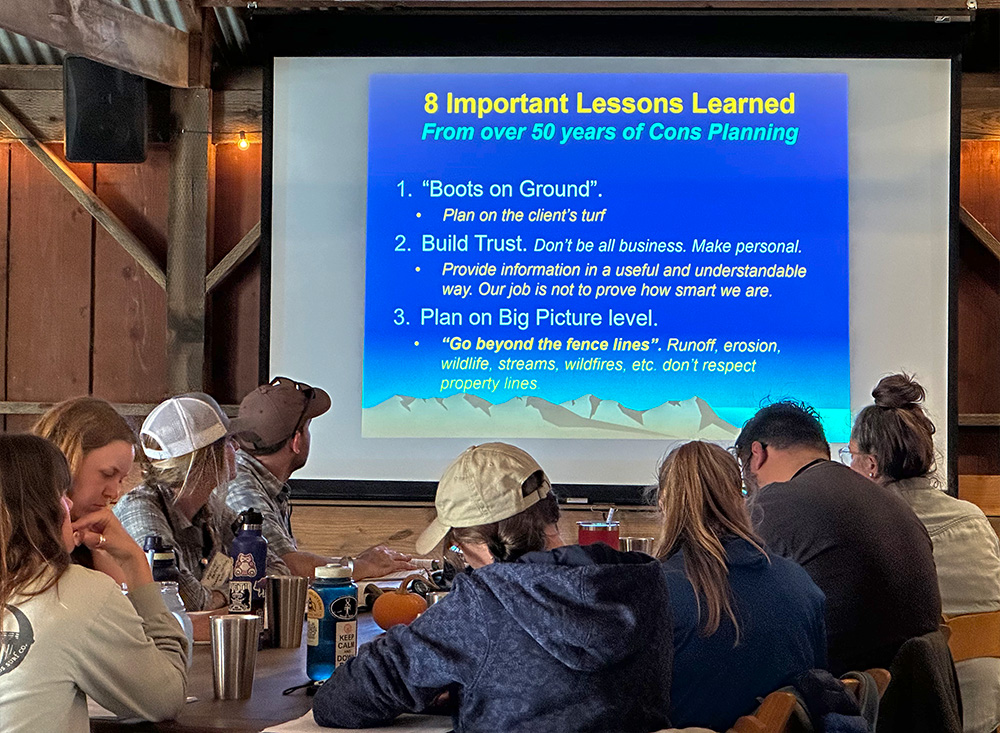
(847, 455)
(308, 393)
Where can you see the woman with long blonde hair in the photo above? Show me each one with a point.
(68, 633)
(744, 623)
(100, 448)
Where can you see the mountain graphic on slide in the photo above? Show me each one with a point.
(469, 416)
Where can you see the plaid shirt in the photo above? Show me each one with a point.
(149, 509)
(256, 488)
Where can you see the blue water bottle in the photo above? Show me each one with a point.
(249, 553)
(332, 630)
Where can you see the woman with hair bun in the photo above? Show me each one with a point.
(537, 636)
(892, 443)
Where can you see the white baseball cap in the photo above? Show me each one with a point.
(184, 424)
(481, 486)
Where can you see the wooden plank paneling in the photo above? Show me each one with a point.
(4, 194)
(980, 182)
(978, 326)
(340, 528)
(49, 310)
(983, 491)
(130, 309)
(981, 106)
(235, 304)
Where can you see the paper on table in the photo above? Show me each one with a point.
(405, 723)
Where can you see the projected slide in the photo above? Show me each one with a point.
(639, 256)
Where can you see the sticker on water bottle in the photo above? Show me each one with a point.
(344, 608)
(240, 592)
(346, 641)
(314, 605)
(312, 632)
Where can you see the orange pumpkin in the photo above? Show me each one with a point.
(399, 606)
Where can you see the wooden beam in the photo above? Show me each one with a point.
(191, 171)
(979, 420)
(201, 43)
(87, 198)
(104, 31)
(981, 106)
(984, 235)
(950, 6)
(233, 258)
(122, 408)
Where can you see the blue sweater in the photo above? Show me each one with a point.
(782, 633)
(575, 639)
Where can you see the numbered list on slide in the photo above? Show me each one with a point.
(647, 256)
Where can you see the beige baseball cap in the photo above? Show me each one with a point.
(481, 486)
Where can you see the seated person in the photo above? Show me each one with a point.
(880, 586)
(187, 440)
(68, 632)
(536, 637)
(100, 448)
(745, 624)
(274, 444)
(892, 443)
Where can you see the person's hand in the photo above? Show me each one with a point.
(380, 560)
(111, 546)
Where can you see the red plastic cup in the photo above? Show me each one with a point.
(590, 532)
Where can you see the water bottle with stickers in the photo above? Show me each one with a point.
(249, 553)
(332, 630)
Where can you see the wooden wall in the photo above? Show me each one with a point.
(979, 310)
(77, 315)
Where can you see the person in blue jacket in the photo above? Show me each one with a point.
(745, 623)
(535, 636)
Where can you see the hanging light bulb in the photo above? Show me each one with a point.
(243, 144)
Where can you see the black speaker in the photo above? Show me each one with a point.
(105, 113)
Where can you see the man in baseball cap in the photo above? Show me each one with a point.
(274, 441)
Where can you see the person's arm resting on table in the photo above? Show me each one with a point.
(404, 670)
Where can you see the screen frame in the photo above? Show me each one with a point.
(348, 33)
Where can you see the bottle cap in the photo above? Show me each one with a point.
(251, 517)
(152, 542)
(333, 571)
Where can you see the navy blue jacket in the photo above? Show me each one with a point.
(781, 614)
(574, 639)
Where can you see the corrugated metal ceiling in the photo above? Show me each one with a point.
(16, 49)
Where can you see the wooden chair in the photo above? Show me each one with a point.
(973, 635)
(882, 679)
(775, 712)
(773, 716)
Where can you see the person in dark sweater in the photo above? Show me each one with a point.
(745, 624)
(536, 636)
(861, 543)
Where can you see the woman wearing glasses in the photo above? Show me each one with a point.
(187, 440)
(892, 443)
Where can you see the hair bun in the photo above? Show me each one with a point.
(898, 391)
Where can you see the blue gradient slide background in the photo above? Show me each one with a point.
(663, 190)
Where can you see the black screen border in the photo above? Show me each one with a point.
(411, 32)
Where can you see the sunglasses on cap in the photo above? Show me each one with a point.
(309, 393)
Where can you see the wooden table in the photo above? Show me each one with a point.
(276, 671)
